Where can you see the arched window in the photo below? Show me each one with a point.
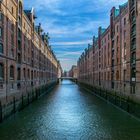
(1, 71)
(12, 72)
(28, 74)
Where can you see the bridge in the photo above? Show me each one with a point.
(68, 78)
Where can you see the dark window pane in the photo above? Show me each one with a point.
(1, 48)
(1, 71)
(11, 72)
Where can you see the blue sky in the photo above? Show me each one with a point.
(71, 24)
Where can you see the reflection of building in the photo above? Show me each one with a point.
(26, 59)
(73, 72)
(113, 61)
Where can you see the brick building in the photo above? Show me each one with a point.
(27, 62)
(115, 54)
(73, 72)
(60, 70)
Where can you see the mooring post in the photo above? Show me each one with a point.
(106, 94)
(28, 98)
(100, 91)
(36, 92)
(32, 95)
(22, 98)
(0, 112)
(14, 105)
(128, 106)
(115, 98)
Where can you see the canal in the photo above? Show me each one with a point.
(69, 112)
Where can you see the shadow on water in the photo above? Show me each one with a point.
(70, 113)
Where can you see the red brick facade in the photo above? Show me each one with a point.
(73, 72)
(115, 53)
(26, 60)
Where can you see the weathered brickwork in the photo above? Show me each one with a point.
(27, 62)
(115, 53)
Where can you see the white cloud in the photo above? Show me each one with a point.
(50, 5)
(68, 55)
(83, 42)
(79, 28)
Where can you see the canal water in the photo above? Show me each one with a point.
(69, 112)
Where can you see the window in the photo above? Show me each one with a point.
(124, 21)
(1, 48)
(12, 72)
(132, 2)
(12, 28)
(1, 71)
(1, 16)
(112, 63)
(19, 34)
(133, 73)
(18, 73)
(112, 44)
(12, 51)
(0, 32)
(19, 21)
(125, 51)
(117, 75)
(20, 8)
(125, 45)
(12, 39)
(32, 75)
(113, 53)
(12, 10)
(28, 74)
(134, 58)
(24, 73)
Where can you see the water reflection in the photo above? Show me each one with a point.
(70, 113)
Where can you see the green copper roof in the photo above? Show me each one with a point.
(103, 30)
(117, 12)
